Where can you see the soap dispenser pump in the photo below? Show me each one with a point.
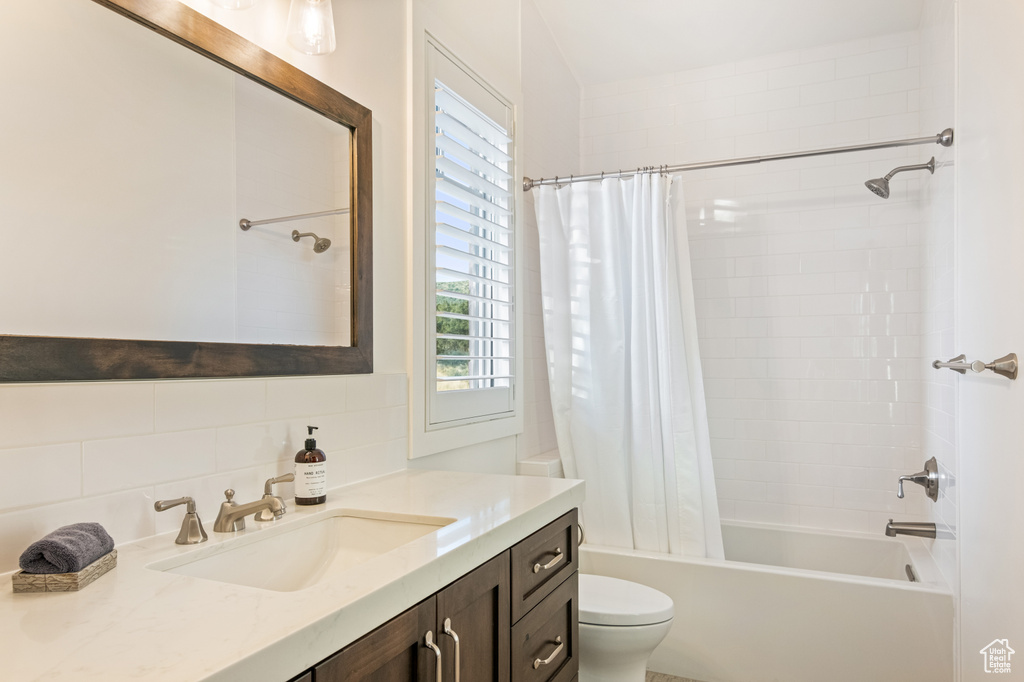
(310, 473)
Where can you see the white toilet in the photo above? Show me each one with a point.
(620, 624)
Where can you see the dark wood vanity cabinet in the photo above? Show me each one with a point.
(475, 608)
(498, 641)
(545, 603)
(394, 652)
(542, 561)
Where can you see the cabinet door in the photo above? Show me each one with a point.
(477, 609)
(394, 652)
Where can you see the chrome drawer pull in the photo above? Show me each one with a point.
(537, 568)
(451, 633)
(428, 642)
(547, 661)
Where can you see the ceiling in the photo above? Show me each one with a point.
(610, 40)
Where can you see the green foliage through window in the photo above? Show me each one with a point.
(447, 325)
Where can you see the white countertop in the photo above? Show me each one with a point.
(139, 623)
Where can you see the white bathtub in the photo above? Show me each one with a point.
(797, 606)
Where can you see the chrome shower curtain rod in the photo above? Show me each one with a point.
(945, 138)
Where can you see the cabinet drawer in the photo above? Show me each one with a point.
(544, 642)
(537, 568)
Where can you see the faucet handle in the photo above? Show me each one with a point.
(928, 479)
(268, 486)
(265, 515)
(164, 505)
(192, 531)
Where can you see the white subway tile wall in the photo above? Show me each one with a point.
(106, 451)
(811, 292)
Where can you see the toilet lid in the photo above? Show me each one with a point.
(610, 601)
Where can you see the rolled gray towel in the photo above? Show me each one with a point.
(67, 550)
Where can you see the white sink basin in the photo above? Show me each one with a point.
(297, 555)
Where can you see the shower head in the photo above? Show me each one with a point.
(320, 244)
(880, 186)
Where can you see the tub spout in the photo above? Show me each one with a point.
(921, 530)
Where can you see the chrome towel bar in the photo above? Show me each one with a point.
(1005, 366)
(245, 223)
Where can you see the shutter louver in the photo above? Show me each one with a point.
(473, 250)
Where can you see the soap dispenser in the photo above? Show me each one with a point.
(310, 473)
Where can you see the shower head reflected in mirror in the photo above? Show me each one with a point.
(319, 246)
(880, 186)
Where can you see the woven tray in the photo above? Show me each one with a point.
(64, 582)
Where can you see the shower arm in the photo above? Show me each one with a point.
(929, 166)
(245, 223)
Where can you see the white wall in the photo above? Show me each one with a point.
(938, 389)
(108, 450)
(808, 287)
(493, 57)
(158, 214)
(104, 451)
(161, 264)
(551, 114)
(547, 125)
(989, 241)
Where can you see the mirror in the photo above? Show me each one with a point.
(133, 163)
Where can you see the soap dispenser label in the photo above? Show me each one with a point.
(310, 479)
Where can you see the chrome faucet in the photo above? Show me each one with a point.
(231, 516)
(921, 530)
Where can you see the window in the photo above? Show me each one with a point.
(471, 279)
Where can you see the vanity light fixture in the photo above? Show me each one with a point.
(311, 26)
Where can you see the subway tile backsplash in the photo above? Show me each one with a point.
(106, 451)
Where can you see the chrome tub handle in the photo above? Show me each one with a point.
(451, 633)
(547, 661)
(428, 642)
(537, 568)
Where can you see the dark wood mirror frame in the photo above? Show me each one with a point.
(40, 358)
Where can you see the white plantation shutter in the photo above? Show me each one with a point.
(472, 316)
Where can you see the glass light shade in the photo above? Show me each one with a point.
(234, 4)
(311, 26)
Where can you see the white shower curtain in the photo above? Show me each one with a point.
(624, 368)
